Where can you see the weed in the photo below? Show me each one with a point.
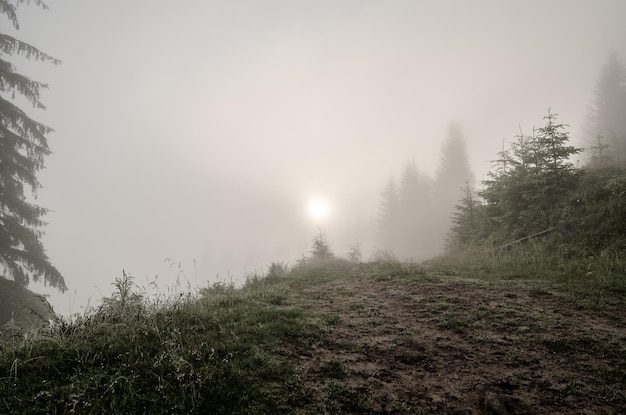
(452, 321)
(332, 319)
(334, 370)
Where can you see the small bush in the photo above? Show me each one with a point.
(321, 248)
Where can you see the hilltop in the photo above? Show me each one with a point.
(331, 338)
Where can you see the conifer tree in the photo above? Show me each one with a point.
(388, 224)
(526, 196)
(415, 196)
(554, 151)
(608, 111)
(557, 175)
(465, 220)
(23, 147)
(493, 195)
(601, 155)
(453, 171)
(454, 167)
(320, 250)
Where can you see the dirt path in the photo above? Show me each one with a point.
(444, 345)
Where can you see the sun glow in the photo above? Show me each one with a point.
(318, 208)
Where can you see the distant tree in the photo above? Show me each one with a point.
(601, 155)
(388, 223)
(405, 215)
(454, 167)
(354, 253)
(454, 170)
(321, 248)
(415, 197)
(23, 147)
(465, 219)
(607, 117)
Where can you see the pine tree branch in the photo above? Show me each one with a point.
(12, 82)
(8, 10)
(12, 46)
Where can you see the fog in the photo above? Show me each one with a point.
(190, 135)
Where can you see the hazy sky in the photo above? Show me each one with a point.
(198, 130)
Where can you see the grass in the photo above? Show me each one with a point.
(228, 350)
(218, 351)
(599, 279)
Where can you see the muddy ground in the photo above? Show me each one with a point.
(445, 345)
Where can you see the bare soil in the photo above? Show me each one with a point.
(445, 345)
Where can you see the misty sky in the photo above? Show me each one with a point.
(198, 130)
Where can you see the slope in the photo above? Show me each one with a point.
(330, 338)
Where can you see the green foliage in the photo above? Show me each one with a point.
(529, 188)
(533, 190)
(465, 220)
(600, 202)
(216, 351)
(125, 299)
(227, 350)
(587, 254)
(23, 147)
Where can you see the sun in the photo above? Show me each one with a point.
(318, 208)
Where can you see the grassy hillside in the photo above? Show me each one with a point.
(331, 338)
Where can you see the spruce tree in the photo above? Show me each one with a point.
(23, 147)
(453, 171)
(554, 151)
(493, 195)
(557, 174)
(388, 224)
(465, 220)
(601, 155)
(608, 112)
(528, 190)
(320, 250)
(415, 196)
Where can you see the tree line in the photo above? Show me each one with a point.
(415, 210)
(526, 192)
(533, 186)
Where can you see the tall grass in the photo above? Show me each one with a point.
(598, 278)
(211, 351)
(227, 350)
